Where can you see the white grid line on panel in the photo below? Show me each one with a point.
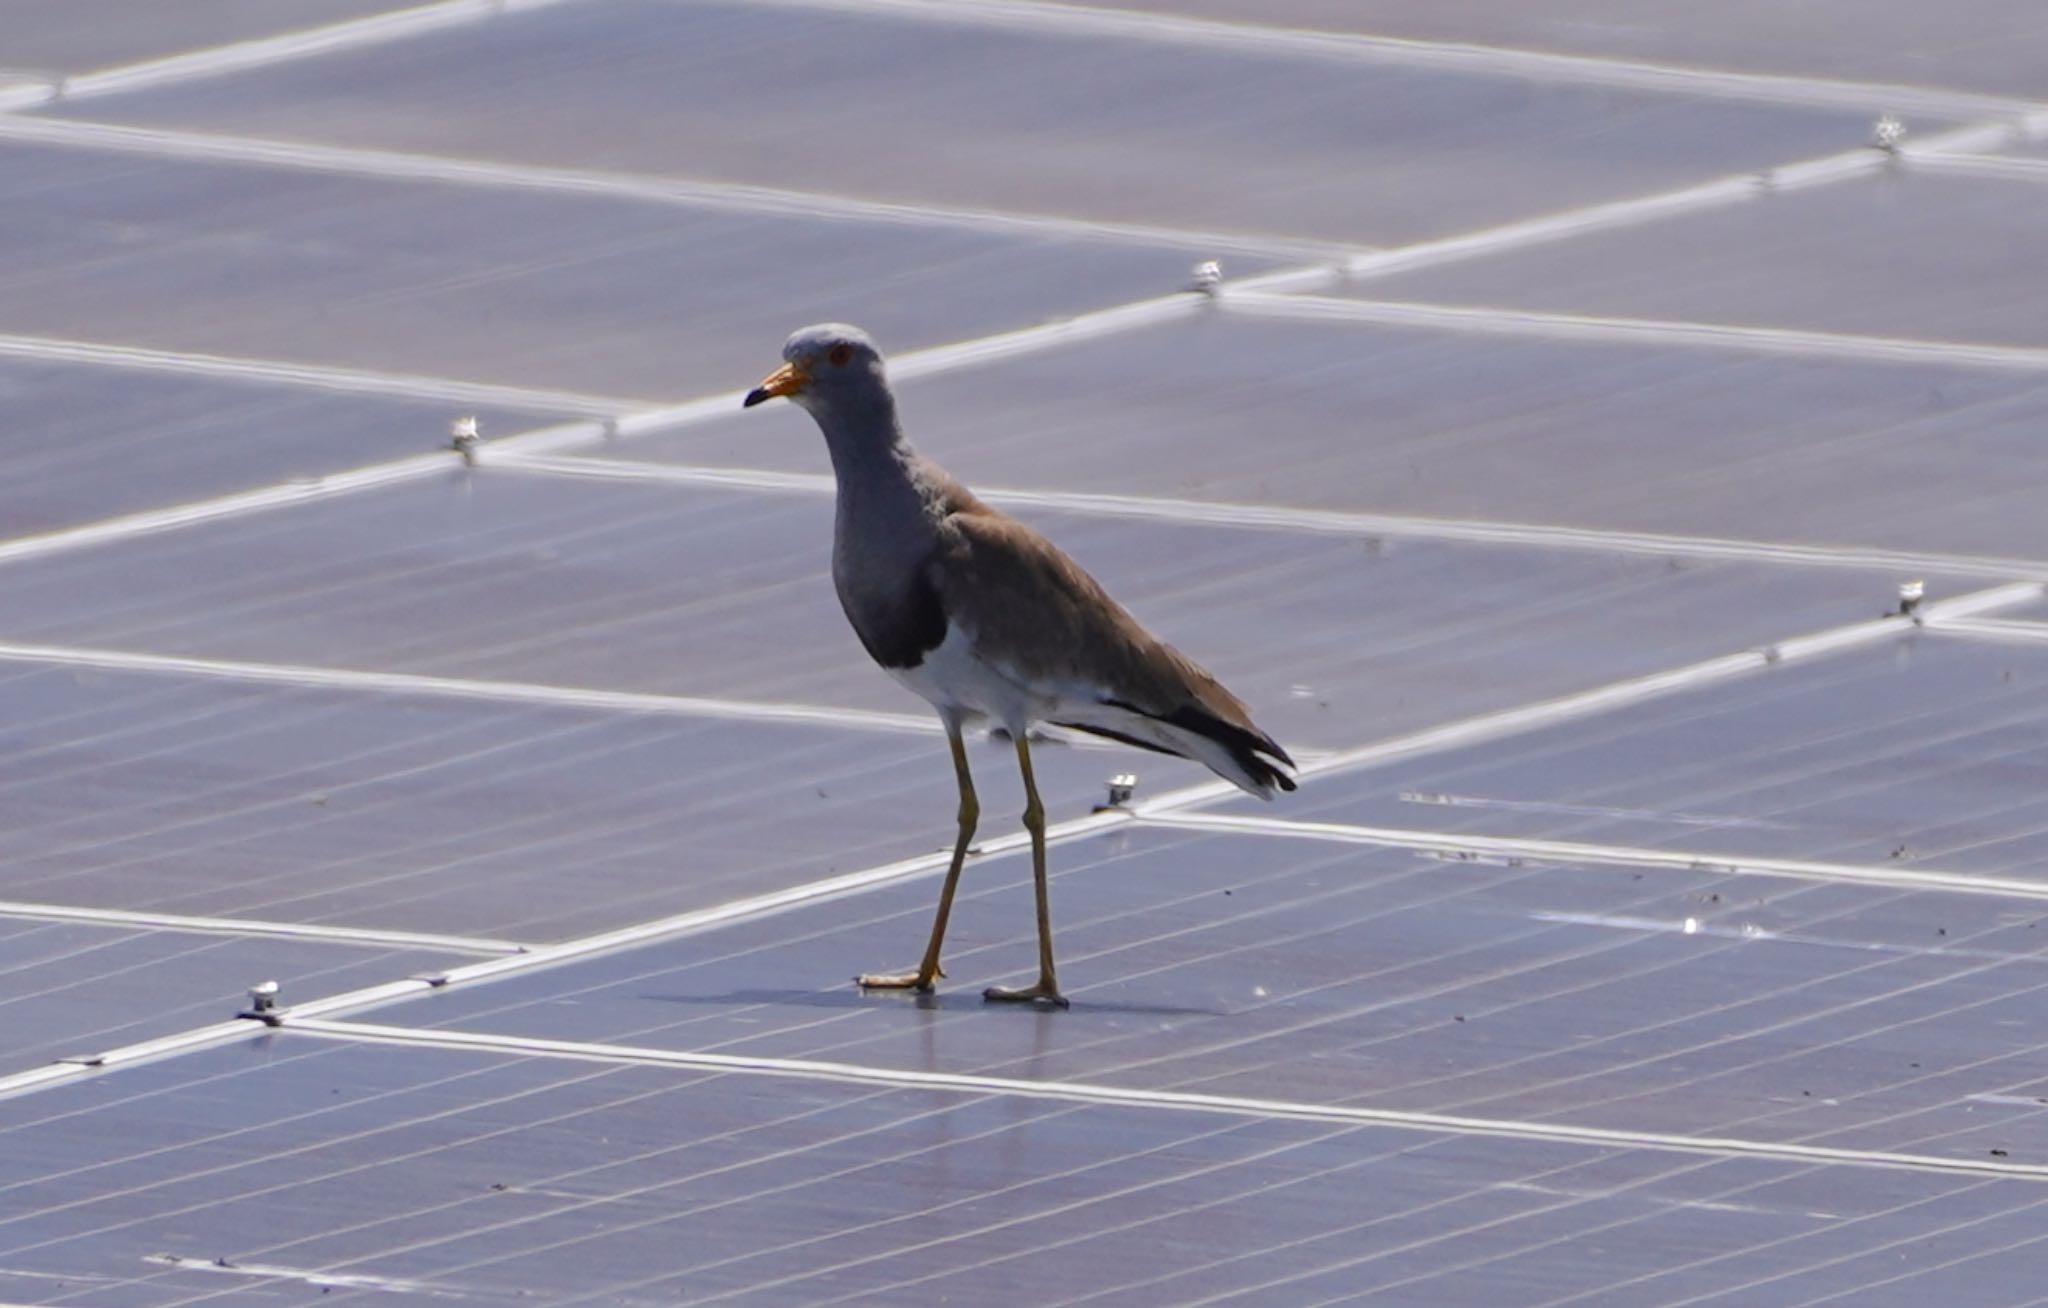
(319, 377)
(1796, 342)
(665, 189)
(235, 926)
(1332, 522)
(1026, 1213)
(511, 692)
(1992, 167)
(258, 52)
(973, 1084)
(2000, 629)
(1570, 851)
(128, 526)
(1738, 189)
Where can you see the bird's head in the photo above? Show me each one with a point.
(829, 366)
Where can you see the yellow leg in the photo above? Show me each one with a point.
(1047, 989)
(928, 972)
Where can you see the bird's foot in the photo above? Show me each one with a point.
(921, 982)
(1045, 993)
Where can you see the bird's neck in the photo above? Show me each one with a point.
(858, 427)
(871, 460)
(883, 515)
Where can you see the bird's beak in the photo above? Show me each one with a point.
(786, 380)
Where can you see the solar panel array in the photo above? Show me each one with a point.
(1658, 921)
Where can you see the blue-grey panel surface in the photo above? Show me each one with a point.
(1930, 752)
(83, 443)
(64, 37)
(1795, 961)
(74, 990)
(1927, 256)
(1994, 46)
(1334, 641)
(1638, 437)
(1690, 1002)
(143, 791)
(892, 107)
(288, 1169)
(653, 301)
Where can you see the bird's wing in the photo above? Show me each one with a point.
(1038, 615)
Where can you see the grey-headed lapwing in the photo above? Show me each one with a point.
(987, 619)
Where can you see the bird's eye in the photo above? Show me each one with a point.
(839, 355)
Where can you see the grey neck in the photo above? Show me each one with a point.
(882, 528)
(862, 435)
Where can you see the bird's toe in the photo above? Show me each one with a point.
(1043, 993)
(917, 981)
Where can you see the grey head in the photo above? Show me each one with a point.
(829, 369)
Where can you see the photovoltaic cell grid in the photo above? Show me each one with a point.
(1658, 920)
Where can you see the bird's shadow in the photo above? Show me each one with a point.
(957, 1000)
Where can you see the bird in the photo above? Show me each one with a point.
(990, 622)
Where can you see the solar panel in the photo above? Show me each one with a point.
(1658, 919)
(1830, 259)
(1176, 134)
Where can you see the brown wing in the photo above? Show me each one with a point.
(1029, 605)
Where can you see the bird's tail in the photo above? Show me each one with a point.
(1239, 753)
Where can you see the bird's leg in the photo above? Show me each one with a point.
(1047, 989)
(928, 972)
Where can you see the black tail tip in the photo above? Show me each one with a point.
(1269, 777)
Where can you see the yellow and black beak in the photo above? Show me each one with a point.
(786, 380)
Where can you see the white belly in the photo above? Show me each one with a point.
(953, 680)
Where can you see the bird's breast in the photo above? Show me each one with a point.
(899, 618)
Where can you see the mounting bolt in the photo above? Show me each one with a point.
(1910, 595)
(1121, 787)
(1888, 133)
(1208, 277)
(462, 438)
(263, 999)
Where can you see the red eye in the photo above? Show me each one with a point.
(839, 355)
